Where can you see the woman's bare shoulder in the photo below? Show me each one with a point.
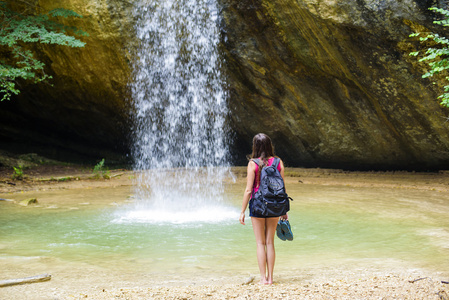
(251, 164)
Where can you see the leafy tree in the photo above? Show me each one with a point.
(16, 30)
(437, 56)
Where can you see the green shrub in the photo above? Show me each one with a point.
(101, 171)
(18, 173)
(437, 55)
(16, 30)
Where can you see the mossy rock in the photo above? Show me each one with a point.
(27, 202)
(34, 159)
(25, 161)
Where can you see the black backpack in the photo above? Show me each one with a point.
(270, 200)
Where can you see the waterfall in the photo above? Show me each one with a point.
(180, 137)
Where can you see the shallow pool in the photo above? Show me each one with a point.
(97, 233)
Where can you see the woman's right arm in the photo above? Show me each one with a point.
(284, 217)
(250, 175)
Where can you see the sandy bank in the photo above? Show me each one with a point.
(376, 287)
(363, 285)
(67, 177)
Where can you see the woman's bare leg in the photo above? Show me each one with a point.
(259, 232)
(270, 229)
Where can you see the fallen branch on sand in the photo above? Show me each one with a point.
(7, 182)
(7, 200)
(413, 281)
(115, 175)
(32, 279)
(59, 179)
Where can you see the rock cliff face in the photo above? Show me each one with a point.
(85, 110)
(330, 81)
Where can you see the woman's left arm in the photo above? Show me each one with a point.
(250, 175)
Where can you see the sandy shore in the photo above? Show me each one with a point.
(308, 284)
(366, 285)
(67, 177)
(312, 284)
(376, 287)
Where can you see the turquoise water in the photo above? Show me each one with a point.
(337, 227)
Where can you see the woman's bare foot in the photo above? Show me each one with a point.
(263, 281)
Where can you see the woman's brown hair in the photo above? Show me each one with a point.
(262, 147)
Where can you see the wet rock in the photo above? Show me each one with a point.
(249, 280)
(27, 202)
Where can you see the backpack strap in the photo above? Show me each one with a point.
(256, 161)
(276, 162)
(257, 177)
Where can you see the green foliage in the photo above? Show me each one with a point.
(437, 55)
(101, 171)
(18, 173)
(16, 30)
(99, 167)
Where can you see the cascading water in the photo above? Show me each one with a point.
(180, 136)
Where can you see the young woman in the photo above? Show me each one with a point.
(264, 227)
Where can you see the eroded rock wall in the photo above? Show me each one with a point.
(85, 109)
(333, 83)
